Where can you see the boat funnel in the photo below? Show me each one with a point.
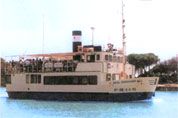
(76, 34)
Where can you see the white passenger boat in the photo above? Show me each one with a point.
(88, 73)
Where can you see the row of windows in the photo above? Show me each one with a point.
(108, 76)
(62, 80)
(108, 57)
(70, 80)
(92, 58)
(113, 58)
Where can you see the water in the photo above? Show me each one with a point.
(164, 105)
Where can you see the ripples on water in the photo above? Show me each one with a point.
(164, 105)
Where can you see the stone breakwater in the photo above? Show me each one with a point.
(167, 87)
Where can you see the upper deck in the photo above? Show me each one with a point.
(63, 62)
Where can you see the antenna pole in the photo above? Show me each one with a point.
(123, 41)
(43, 37)
(92, 28)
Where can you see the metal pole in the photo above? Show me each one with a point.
(123, 41)
(92, 28)
(43, 37)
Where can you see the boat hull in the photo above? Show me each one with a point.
(71, 96)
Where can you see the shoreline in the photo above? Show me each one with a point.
(167, 87)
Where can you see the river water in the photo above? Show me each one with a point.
(163, 105)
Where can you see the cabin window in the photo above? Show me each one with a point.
(133, 89)
(114, 58)
(35, 79)
(106, 57)
(27, 78)
(84, 80)
(130, 76)
(113, 76)
(121, 89)
(108, 77)
(90, 58)
(39, 79)
(92, 80)
(110, 57)
(97, 57)
(8, 79)
(70, 80)
(75, 80)
(77, 57)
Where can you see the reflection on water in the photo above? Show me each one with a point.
(164, 104)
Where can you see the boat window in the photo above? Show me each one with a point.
(110, 57)
(75, 80)
(92, 80)
(70, 80)
(84, 80)
(121, 89)
(39, 79)
(114, 58)
(8, 79)
(97, 57)
(90, 58)
(108, 77)
(27, 78)
(113, 77)
(35, 79)
(133, 89)
(77, 57)
(106, 57)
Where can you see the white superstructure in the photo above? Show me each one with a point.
(84, 75)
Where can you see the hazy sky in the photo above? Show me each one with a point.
(151, 25)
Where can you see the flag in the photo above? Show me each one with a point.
(76, 38)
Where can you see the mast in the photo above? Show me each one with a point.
(92, 28)
(43, 36)
(123, 41)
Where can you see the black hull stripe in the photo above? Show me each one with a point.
(63, 96)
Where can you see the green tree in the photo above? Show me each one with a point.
(150, 59)
(167, 71)
(2, 66)
(142, 61)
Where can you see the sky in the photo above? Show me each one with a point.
(151, 25)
